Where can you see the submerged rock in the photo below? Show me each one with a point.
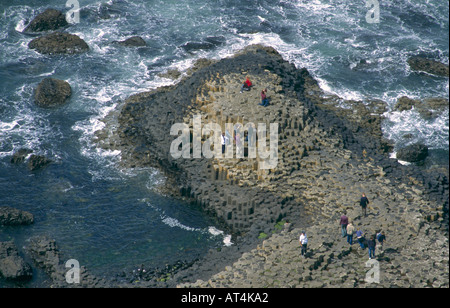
(19, 156)
(134, 41)
(428, 108)
(36, 162)
(10, 216)
(48, 20)
(52, 92)
(413, 153)
(419, 63)
(59, 43)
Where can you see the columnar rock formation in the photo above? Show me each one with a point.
(327, 156)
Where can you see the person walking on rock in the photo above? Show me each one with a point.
(363, 203)
(371, 244)
(360, 237)
(350, 231)
(303, 242)
(344, 223)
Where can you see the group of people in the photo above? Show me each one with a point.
(247, 85)
(348, 230)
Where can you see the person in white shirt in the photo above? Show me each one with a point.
(303, 242)
(224, 142)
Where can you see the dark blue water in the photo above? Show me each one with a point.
(109, 219)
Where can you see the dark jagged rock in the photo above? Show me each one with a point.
(36, 162)
(19, 156)
(194, 46)
(13, 217)
(419, 63)
(59, 43)
(134, 41)
(413, 153)
(52, 92)
(12, 265)
(49, 20)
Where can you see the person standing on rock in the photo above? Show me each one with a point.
(381, 237)
(371, 244)
(350, 230)
(224, 142)
(344, 223)
(287, 226)
(303, 242)
(264, 99)
(363, 203)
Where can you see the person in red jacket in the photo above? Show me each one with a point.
(246, 85)
(264, 99)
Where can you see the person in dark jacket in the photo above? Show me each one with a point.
(371, 244)
(363, 203)
(344, 222)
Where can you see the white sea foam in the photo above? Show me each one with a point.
(227, 240)
(216, 232)
(172, 222)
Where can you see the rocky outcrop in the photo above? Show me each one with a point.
(49, 20)
(12, 265)
(52, 92)
(59, 43)
(419, 63)
(327, 156)
(46, 256)
(413, 153)
(12, 217)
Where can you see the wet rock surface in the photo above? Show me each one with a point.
(420, 63)
(413, 153)
(48, 20)
(10, 216)
(59, 43)
(52, 92)
(134, 41)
